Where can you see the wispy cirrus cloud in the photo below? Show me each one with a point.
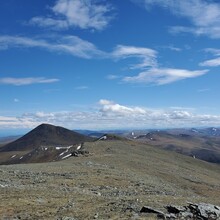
(173, 48)
(203, 15)
(212, 62)
(146, 56)
(109, 115)
(72, 45)
(84, 14)
(26, 81)
(144, 59)
(150, 70)
(162, 76)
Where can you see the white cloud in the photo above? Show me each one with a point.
(147, 63)
(161, 76)
(49, 22)
(146, 56)
(204, 15)
(211, 63)
(113, 115)
(214, 51)
(171, 47)
(72, 45)
(84, 14)
(111, 108)
(26, 81)
(145, 59)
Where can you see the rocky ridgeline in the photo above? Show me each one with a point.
(200, 211)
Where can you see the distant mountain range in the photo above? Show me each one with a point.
(203, 143)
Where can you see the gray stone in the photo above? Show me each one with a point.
(175, 209)
(208, 211)
(147, 209)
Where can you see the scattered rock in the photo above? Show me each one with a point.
(96, 216)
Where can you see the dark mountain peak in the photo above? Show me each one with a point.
(46, 135)
(48, 128)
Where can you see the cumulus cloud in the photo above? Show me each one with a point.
(84, 14)
(111, 108)
(72, 45)
(26, 81)
(204, 15)
(161, 76)
(109, 115)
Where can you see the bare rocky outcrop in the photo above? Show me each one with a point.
(201, 211)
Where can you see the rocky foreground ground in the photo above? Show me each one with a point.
(115, 181)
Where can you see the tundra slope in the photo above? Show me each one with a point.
(114, 181)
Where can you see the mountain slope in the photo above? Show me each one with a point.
(114, 181)
(45, 143)
(204, 147)
(46, 135)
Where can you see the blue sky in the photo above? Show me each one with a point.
(97, 64)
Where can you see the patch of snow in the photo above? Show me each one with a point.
(13, 156)
(68, 155)
(63, 152)
(103, 138)
(214, 129)
(79, 147)
(132, 133)
(3, 186)
(68, 147)
(45, 148)
(21, 157)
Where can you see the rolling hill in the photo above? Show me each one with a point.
(203, 144)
